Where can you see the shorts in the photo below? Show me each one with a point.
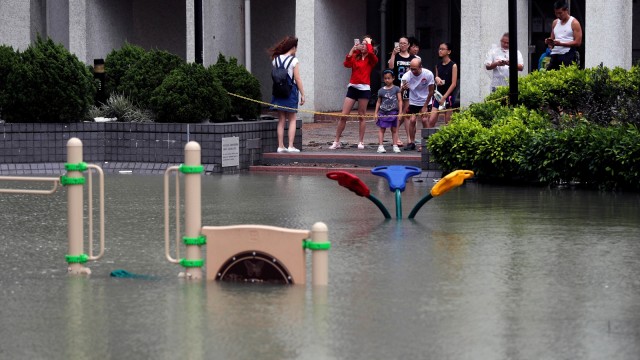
(355, 94)
(414, 109)
(387, 119)
(448, 102)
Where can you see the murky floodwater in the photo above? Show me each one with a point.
(482, 273)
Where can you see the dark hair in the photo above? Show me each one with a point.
(388, 71)
(560, 4)
(447, 44)
(373, 43)
(283, 46)
(413, 41)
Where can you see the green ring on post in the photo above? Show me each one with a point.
(66, 180)
(311, 245)
(191, 169)
(77, 259)
(199, 241)
(81, 166)
(192, 263)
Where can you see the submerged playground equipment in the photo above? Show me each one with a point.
(397, 177)
(248, 253)
(74, 181)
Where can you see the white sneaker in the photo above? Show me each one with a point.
(360, 146)
(282, 150)
(396, 149)
(292, 149)
(335, 145)
(381, 149)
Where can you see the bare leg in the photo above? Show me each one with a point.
(381, 135)
(411, 128)
(447, 116)
(292, 128)
(362, 111)
(342, 123)
(433, 118)
(394, 136)
(280, 128)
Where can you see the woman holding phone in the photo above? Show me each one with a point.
(399, 62)
(361, 59)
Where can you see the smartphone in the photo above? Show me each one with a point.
(396, 44)
(356, 42)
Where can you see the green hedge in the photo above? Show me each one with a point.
(190, 94)
(237, 80)
(8, 60)
(602, 95)
(48, 84)
(573, 125)
(146, 74)
(117, 63)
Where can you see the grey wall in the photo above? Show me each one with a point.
(614, 49)
(58, 22)
(482, 25)
(160, 27)
(15, 23)
(265, 32)
(223, 29)
(336, 25)
(109, 26)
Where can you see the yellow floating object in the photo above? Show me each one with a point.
(452, 180)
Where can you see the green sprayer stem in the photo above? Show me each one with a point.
(422, 201)
(398, 204)
(380, 206)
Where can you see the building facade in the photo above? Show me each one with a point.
(245, 29)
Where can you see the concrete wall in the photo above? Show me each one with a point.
(335, 25)
(15, 23)
(58, 22)
(160, 27)
(265, 33)
(482, 25)
(223, 30)
(109, 26)
(143, 147)
(615, 19)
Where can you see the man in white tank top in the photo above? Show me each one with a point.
(566, 36)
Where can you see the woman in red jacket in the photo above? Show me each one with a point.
(361, 59)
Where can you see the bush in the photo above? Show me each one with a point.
(119, 106)
(145, 75)
(8, 60)
(190, 93)
(237, 80)
(117, 63)
(48, 84)
(601, 95)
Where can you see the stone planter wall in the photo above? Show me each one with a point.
(140, 147)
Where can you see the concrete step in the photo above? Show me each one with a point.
(351, 159)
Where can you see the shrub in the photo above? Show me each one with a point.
(117, 63)
(8, 59)
(48, 84)
(119, 106)
(144, 76)
(237, 80)
(190, 93)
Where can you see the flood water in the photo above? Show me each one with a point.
(483, 272)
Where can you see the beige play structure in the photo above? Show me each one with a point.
(241, 253)
(74, 181)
